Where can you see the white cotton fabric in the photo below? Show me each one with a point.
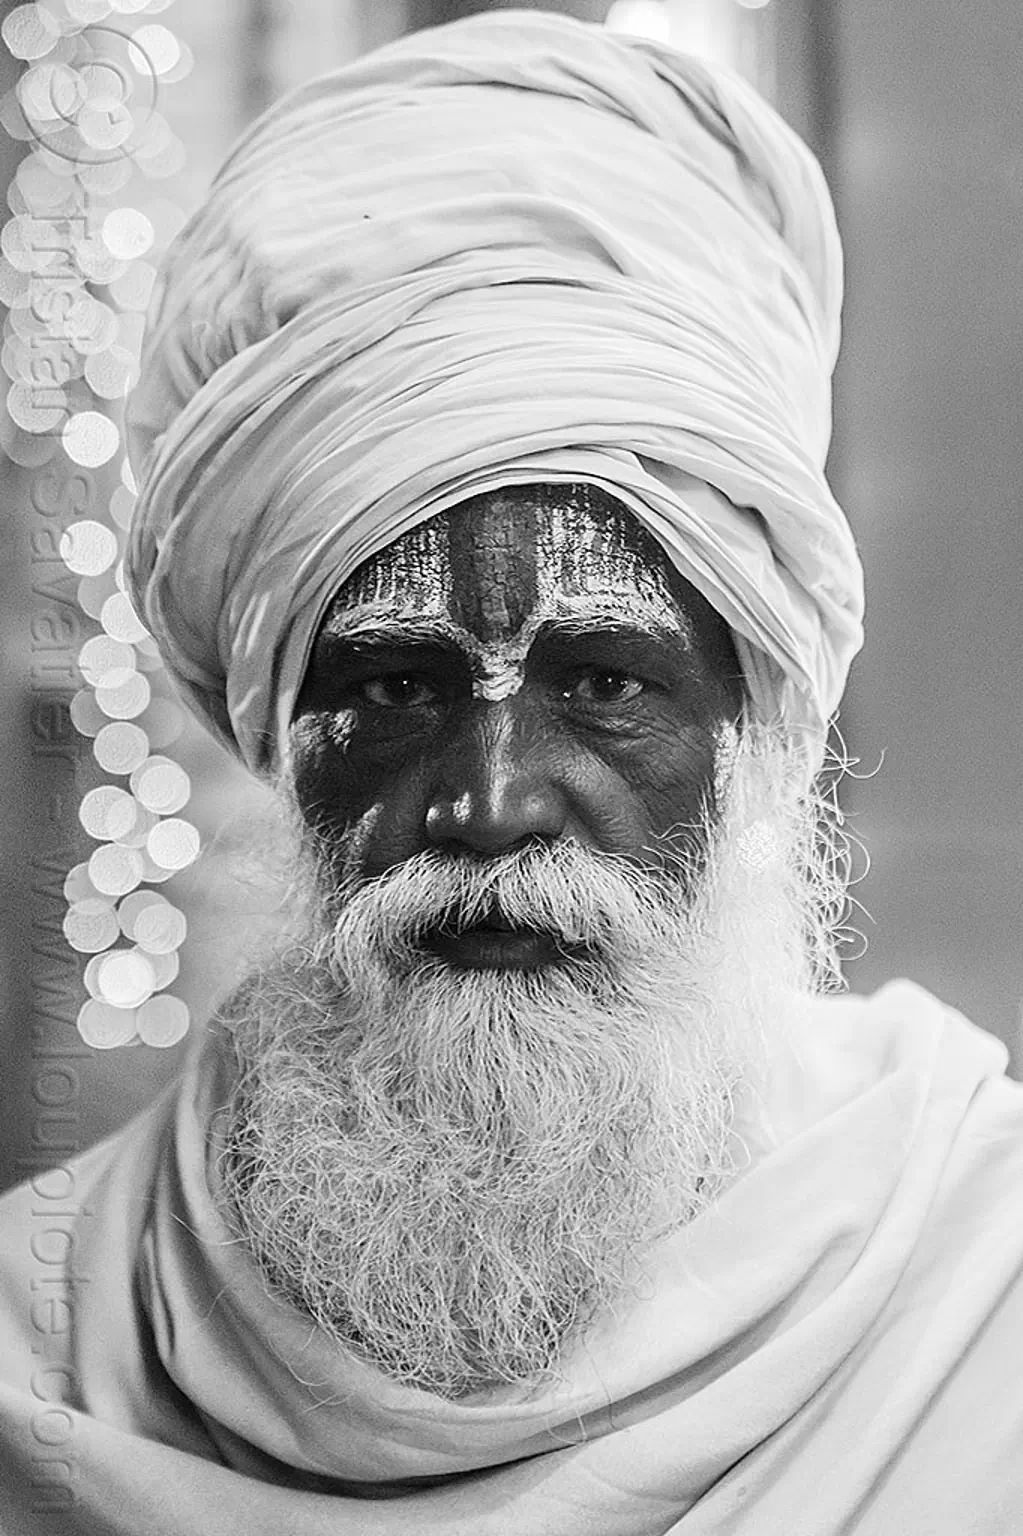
(831, 1349)
(518, 248)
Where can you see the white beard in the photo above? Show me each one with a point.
(453, 1172)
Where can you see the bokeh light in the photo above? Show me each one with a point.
(89, 127)
(125, 978)
(126, 698)
(107, 812)
(160, 928)
(30, 31)
(120, 747)
(173, 843)
(90, 925)
(162, 786)
(89, 438)
(104, 1026)
(119, 619)
(163, 1021)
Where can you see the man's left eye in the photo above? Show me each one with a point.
(603, 685)
(397, 690)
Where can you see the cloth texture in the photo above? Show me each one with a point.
(833, 1347)
(515, 249)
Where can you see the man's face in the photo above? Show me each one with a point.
(499, 1058)
(526, 668)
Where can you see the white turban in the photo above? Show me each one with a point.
(517, 248)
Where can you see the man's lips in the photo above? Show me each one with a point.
(494, 944)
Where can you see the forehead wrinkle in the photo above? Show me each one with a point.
(379, 624)
(580, 614)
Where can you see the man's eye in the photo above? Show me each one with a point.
(603, 685)
(397, 690)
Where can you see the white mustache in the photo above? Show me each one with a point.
(578, 896)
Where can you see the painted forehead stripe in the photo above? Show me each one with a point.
(501, 567)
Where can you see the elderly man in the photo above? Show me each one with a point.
(532, 1186)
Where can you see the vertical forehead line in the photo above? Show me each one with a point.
(492, 573)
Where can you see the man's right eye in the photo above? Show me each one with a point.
(397, 690)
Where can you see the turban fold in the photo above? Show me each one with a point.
(518, 248)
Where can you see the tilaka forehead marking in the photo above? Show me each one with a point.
(497, 572)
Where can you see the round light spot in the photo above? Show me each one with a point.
(120, 620)
(90, 926)
(30, 31)
(159, 929)
(102, 655)
(95, 332)
(163, 722)
(153, 50)
(88, 11)
(174, 843)
(129, 909)
(104, 129)
(125, 978)
(163, 1021)
(134, 289)
(88, 548)
(183, 68)
(122, 502)
(86, 716)
(49, 94)
(93, 592)
(78, 886)
(110, 375)
(32, 413)
(104, 177)
(104, 1026)
(125, 701)
(30, 245)
(42, 189)
(120, 747)
(115, 870)
(141, 827)
(97, 263)
(107, 812)
(161, 785)
(127, 233)
(90, 439)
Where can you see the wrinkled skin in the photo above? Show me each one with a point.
(497, 722)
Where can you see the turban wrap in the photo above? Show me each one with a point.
(518, 248)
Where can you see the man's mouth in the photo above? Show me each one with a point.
(494, 943)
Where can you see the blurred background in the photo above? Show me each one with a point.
(914, 112)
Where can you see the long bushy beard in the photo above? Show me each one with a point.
(453, 1171)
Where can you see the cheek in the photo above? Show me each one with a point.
(670, 777)
(373, 800)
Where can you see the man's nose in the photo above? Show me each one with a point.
(495, 790)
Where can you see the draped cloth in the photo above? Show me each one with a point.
(833, 1347)
(515, 249)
